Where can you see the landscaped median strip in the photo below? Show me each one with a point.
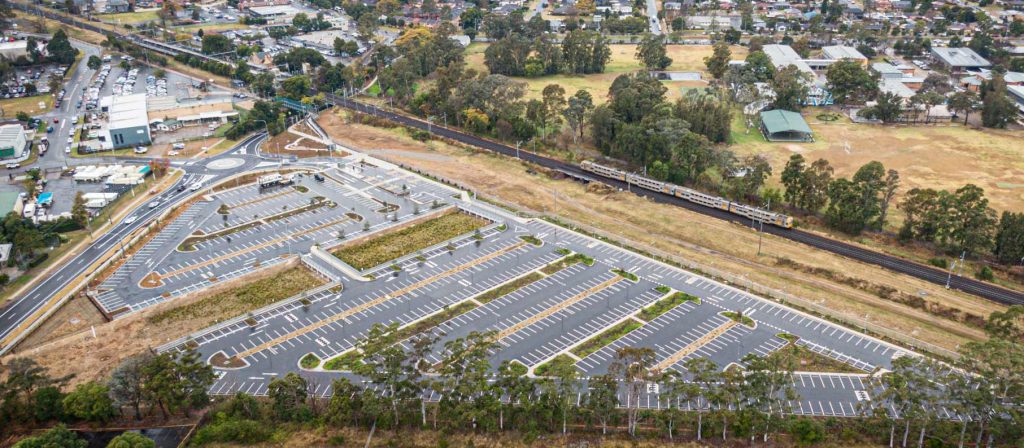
(379, 300)
(665, 305)
(606, 337)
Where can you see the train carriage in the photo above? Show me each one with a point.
(603, 170)
(691, 195)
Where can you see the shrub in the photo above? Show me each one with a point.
(985, 273)
(808, 432)
(4, 279)
(131, 440)
(39, 259)
(245, 432)
(938, 262)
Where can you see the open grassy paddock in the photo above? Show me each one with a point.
(941, 157)
(29, 104)
(623, 60)
(130, 17)
(402, 242)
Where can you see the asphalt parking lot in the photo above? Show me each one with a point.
(534, 324)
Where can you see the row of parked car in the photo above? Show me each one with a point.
(92, 95)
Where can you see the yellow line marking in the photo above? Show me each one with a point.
(557, 307)
(372, 303)
(693, 346)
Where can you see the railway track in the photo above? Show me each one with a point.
(981, 289)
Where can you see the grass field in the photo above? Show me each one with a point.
(623, 60)
(129, 17)
(945, 157)
(392, 245)
(211, 28)
(10, 107)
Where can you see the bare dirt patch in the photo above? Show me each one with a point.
(717, 244)
(77, 315)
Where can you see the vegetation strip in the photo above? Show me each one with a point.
(626, 274)
(739, 318)
(244, 298)
(557, 364)
(606, 337)
(310, 361)
(665, 305)
(566, 262)
(402, 242)
(509, 287)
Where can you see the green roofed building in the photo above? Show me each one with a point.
(785, 126)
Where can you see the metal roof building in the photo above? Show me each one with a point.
(129, 123)
(843, 52)
(784, 55)
(785, 126)
(12, 141)
(959, 58)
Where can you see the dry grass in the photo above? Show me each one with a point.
(29, 104)
(945, 157)
(717, 244)
(623, 60)
(402, 242)
(91, 358)
(78, 314)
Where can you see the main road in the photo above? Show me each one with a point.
(903, 266)
(24, 308)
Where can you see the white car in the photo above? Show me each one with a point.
(130, 219)
(154, 204)
(67, 150)
(196, 186)
(141, 149)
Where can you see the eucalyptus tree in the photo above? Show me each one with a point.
(603, 399)
(464, 373)
(703, 383)
(512, 384)
(769, 385)
(632, 366)
(388, 364)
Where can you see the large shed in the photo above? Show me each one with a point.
(785, 126)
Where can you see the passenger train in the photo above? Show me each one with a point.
(691, 195)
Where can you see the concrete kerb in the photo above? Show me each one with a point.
(266, 309)
(53, 304)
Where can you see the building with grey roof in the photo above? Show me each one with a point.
(844, 53)
(12, 141)
(959, 59)
(128, 123)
